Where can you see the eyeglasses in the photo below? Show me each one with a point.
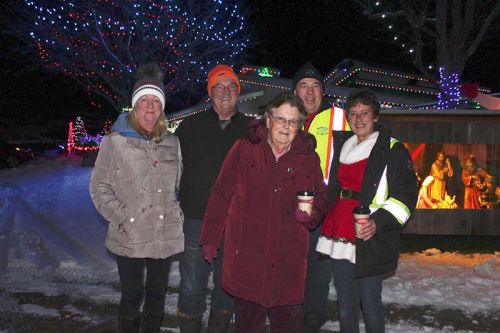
(282, 121)
(220, 88)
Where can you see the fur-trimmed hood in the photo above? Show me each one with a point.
(303, 143)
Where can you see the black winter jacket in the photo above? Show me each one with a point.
(204, 146)
(379, 255)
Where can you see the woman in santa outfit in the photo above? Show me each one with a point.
(376, 171)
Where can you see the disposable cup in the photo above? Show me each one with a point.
(360, 212)
(305, 201)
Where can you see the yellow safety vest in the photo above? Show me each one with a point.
(322, 127)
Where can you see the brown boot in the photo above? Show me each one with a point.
(219, 321)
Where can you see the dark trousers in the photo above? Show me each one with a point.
(319, 275)
(351, 292)
(131, 271)
(250, 317)
(195, 271)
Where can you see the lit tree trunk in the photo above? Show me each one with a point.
(449, 31)
(449, 89)
(450, 45)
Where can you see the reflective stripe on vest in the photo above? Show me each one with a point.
(398, 209)
(321, 127)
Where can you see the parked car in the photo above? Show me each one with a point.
(11, 155)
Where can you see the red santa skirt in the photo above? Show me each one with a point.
(338, 235)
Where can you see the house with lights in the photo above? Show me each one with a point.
(395, 89)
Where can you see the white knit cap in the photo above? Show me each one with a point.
(149, 82)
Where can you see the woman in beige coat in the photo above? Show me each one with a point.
(134, 185)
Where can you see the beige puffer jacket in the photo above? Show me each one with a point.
(133, 185)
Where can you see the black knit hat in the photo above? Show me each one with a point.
(149, 81)
(307, 70)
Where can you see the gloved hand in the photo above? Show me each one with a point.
(209, 253)
(470, 89)
(304, 218)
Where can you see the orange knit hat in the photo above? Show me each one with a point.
(218, 72)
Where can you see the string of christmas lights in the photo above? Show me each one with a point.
(260, 71)
(267, 85)
(101, 43)
(385, 13)
(80, 140)
(394, 87)
(449, 94)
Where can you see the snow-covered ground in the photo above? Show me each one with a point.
(52, 242)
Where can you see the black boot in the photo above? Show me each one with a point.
(151, 322)
(188, 324)
(129, 324)
(219, 321)
(313, 322)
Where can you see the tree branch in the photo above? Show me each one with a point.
(482, 32)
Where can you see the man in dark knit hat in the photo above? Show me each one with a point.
(308, 86)
(323, 119)
(205, 139)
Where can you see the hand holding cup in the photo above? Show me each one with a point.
(361, 216)
(305, 201)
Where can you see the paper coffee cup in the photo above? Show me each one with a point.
(305, 201)
(358, 227)
(360, 212)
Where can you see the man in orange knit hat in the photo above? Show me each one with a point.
(206, 138)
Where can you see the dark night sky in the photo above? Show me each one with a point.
(326, 32)
(287, 33)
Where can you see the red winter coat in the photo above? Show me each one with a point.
(253, 204)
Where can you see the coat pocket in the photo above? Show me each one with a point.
(133, 216)
(173, 221)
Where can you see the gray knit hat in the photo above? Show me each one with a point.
(149, 81)
(307, 71)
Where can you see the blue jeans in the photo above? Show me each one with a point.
(319, 274)
(352, 291)
(195, 271)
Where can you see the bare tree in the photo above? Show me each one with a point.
(100, 44)
(441, 32)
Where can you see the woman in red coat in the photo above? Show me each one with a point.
(253, 205)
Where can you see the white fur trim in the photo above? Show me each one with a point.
(336, 249)
(353, 152)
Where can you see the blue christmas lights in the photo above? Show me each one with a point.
(449, 94)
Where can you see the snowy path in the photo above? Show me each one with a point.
(52, 242)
